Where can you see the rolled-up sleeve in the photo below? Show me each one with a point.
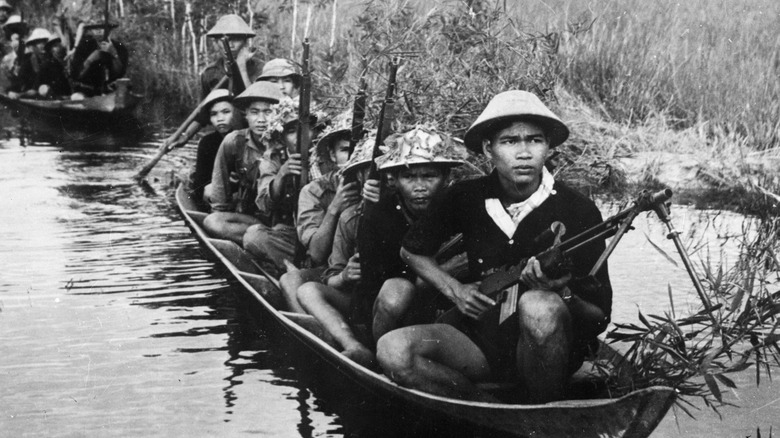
(220, 176)
(344, 243)
(267, 170)
(310, 212)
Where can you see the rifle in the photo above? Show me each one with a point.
(303, 139)
(231, 68)
(555, 261)
(358, 117)
(385, 117)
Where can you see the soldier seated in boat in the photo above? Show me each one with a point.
(30, 64)
(420, 161)
(320, 204)
(283, 73)
(275, 239)
(218, 108)
(411, 165)
(97, 62)
(329, 299)
(14, 31)
(53, 80)
(500, 215)
(239, 36)
(238, 159)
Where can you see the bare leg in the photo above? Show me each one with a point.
(544, 346)
(275, 244)
(435, 358)
(391, 305)
(327, 304)
(291, 281)
(228, 225)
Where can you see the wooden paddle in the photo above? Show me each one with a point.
(164, 149)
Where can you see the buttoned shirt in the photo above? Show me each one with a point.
(313, 203)
(239, 155)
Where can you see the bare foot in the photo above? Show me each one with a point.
(361, 355)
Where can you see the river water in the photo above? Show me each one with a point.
(112, 322)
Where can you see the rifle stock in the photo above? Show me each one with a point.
(233, 72)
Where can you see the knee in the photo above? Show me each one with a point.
(541, 313)
(395, 353)
(394, 296)
(309, 292)
(255, 238)
(212, 223)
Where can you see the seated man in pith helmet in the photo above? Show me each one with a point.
(283, 73)
(280, 168)
(249, 65)
(500, 215)
(224, 117)
(238, 159)
(320, 204)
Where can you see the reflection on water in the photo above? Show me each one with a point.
(112, 322)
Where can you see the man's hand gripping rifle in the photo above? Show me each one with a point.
(555, 261)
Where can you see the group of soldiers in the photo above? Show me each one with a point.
(370, 257)
(61, 64)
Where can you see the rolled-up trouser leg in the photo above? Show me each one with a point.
(275, 244)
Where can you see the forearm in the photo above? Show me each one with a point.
(338, 281)
(322, 241)
(427, 269)
(276, 187)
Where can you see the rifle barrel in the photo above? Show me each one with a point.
(303, 139)
(384, 122)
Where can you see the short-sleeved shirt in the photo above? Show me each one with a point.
(239, 155)
(462, 210)
(274, 211)
(313, 203)
(344, 242)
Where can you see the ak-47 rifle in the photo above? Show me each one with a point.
(303, 138)
(231, 68)
(555, 261)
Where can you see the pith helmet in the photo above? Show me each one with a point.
(341, 126)
(218, 95)
(37, 35)
(14, 25)
(515, 105)
(420, 146)
(5, 5)
(231, 25)
(362, 154)
(53, 39)
(279, 68)
(263, 91)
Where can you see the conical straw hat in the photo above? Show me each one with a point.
(420, 146)
(218, 95)
(265, 91)
(37, 35)
(515, 105)
(230, 24)
(362, 154)
(341, 125)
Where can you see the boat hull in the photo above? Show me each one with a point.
(633, 415)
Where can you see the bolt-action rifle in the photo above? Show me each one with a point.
(358, 117)
(231, 68)
(303, 138)
(386, 115)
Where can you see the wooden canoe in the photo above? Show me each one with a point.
(633, 415)
(99, 113)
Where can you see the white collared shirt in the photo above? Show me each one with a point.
(508, 219)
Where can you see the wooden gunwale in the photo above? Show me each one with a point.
(633, 415)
